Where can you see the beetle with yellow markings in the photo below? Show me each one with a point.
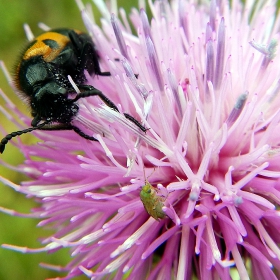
(42, 79)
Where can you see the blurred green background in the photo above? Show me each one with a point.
(14, 230)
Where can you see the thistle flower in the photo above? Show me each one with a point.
(204, 80)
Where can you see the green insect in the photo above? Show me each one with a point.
(152, 202)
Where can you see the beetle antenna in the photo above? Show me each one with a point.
(8, 137)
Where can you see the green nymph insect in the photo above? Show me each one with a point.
(152, 201)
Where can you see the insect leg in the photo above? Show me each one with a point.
(89, 60)
(91, 91)
(88, 55)
(68, 126)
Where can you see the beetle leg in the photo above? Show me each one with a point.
(68, 126)
(87, 54)
(75, 39)
(91, 91)
(89, 60)
(82, 134)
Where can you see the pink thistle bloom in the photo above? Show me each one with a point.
(204, 80)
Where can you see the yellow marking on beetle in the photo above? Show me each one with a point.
(48, 53)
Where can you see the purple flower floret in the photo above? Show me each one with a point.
(204, 80)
